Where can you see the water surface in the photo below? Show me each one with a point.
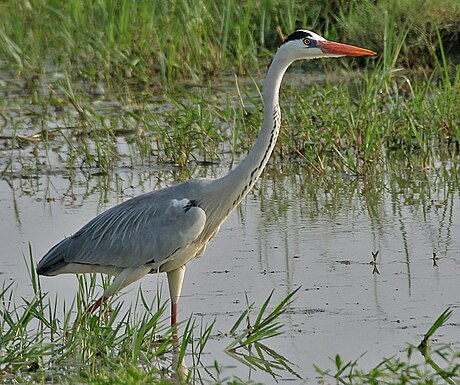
(294, 230)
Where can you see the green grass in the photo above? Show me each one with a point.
(398, 371)
(129, 40)
(387, 112)
(120, 84)
(38, 344)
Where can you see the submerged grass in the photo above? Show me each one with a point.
(43, 344)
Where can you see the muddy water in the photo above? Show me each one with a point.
(292, 231)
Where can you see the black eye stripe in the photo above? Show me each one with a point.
(297, 35)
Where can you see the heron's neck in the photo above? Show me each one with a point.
(240, 180)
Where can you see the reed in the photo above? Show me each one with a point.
(138, 40)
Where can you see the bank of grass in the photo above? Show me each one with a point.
(143, 40)
(160, 64)
(38, 344)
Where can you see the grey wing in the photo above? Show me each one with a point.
(140, 231)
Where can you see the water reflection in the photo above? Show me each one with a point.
(409, 203)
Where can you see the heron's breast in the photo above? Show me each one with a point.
(192, 250)
(182, 256)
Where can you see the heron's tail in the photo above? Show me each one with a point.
(53, 260)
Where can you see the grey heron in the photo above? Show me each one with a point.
(161, 231)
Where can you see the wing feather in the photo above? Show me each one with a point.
(145, 229)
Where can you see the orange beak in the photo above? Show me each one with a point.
(342, 49)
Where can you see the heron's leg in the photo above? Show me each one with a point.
(126, 277)
(175, 279)
(96, 305)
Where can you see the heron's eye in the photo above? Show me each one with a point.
(306, 41)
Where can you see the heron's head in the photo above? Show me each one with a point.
(303, 44)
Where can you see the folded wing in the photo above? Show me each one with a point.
(144, 230)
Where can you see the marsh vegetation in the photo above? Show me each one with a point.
(101, 101)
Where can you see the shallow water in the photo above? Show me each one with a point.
(294, 230)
